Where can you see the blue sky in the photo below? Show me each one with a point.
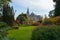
(39, 7)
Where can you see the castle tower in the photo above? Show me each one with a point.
(27, 11)
(28, 16)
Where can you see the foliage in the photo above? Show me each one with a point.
(22, 18)
(54, 20)
(54, 0)
(36, 24)
(51, 13)
(8, 15)
(2, 24)
(4, 2)
(46, 33)
(7, 12)
(57, 8)
(3, 31)
(0, 18)
(40, 21)
(44, 21)
(23, 33)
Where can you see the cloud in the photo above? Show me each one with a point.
(35, 3)
(38, 6)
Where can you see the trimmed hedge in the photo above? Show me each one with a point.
(46, 33)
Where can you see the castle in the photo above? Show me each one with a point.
(33, 17)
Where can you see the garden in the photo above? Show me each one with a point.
(23, 33)
(36, 33)
(28, 27)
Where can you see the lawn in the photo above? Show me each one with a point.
(23, 33)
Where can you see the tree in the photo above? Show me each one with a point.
(51, 13)
(44, 21)
(5, 2)
(8, 12)
(8, 15)
(57, 8)
(22, 18)
(54, 0)
(4, 28)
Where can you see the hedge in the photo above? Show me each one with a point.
(46, 33)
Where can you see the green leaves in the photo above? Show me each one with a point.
(3, 31)
(57, 8)
(54, 0)
(2, 24)
(46, 33)
(4, 2)
(22, 17)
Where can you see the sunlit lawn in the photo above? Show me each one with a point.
(23, 33)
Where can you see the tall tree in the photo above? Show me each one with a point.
(8, 12)
(8, 15)
(57, 8)
(51, 13)
(54, 0)
(5, 1)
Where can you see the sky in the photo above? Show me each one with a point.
(39, 7)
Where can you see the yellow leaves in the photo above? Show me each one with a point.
(55, 20)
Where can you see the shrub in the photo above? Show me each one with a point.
(46, 33)
(55, 20)
(0, 18)
(36, 24)
(2, 24)
(3, 31)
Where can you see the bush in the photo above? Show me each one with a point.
(3, 31)
(2, 24)
(54, 20)
(45, 21)
(36, 24)
(46, 33)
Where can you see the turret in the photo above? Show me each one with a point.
(27, 11)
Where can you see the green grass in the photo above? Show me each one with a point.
(23, 33)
